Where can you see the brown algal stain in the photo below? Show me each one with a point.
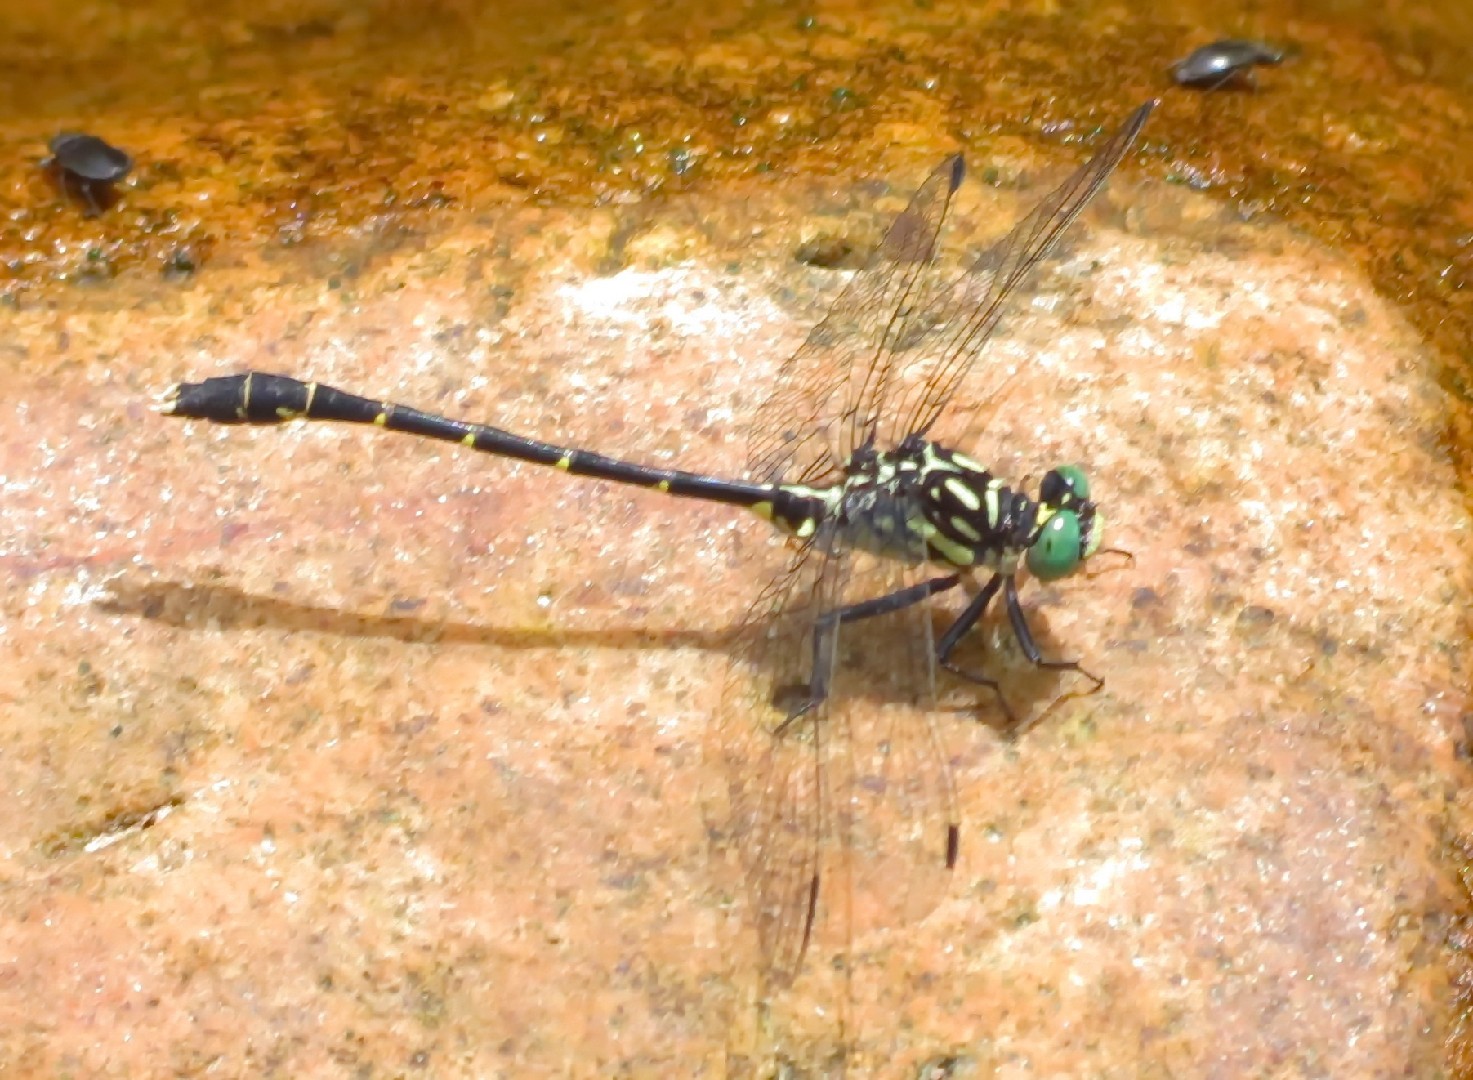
(322, 120)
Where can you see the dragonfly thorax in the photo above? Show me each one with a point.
(924, 503)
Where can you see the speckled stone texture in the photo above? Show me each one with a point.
(331, 753)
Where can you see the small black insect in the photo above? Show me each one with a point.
(86, 167)
(1223, 63)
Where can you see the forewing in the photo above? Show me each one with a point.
(801, 430)
(963, 315)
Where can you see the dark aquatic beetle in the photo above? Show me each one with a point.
(1223, 63)
(87, 167)
(882, 518)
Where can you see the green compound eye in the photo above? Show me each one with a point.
(1056, 553)
(1074, 476)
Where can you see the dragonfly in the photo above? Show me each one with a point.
(880, 517)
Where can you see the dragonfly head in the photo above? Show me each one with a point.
(1071, 527)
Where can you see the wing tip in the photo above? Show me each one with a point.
(1137, 119)
(958, 171)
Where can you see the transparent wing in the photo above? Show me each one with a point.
(899, 339)
(901, 805)
(776, 810)
(796, 432)
(851, 808)
(841, 819)
(962, 316)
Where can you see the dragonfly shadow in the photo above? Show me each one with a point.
(204, 605)
(870, 664)
(1034, 693)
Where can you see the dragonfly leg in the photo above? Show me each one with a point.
(1030, 648)
(957, 630)
(968, 618)
(825, 636)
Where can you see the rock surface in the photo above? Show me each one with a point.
(332, 753)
